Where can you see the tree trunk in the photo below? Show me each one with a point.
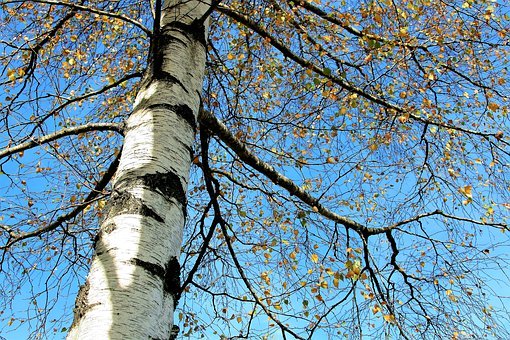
(133, 285)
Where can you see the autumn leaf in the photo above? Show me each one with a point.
(467, 191)
(493, 106)
(11, 74)
(389, 318)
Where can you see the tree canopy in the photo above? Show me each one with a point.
(350, 175)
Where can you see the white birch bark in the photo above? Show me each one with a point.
(133, 284)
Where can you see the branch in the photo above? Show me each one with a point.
(91, 10)
(275, 42)
(436, 212)
(326, 73)
(98, 189)
(337, 21)
(208, 120)
(34, 51)
(203, 249)
(219, 129)
(85, 96)
(223, 224)
(61, 133)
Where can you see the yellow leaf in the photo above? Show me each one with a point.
(101, 204)
(493, 106)
(331, 160)
(11, 74)
(373, 147)
(467, 191)
(403, 119)
(453, 298)
(389, 318)
(315, 258)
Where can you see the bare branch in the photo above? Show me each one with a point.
(440, 213)
(93, 195)
(223, 224)
(219, 129)
(85, 96)
(61, 133)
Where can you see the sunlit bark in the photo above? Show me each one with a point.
(133, 285)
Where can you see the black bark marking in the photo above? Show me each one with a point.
(196, 30)
(191, 154)
(152, 268)
(169, 78)
(168, 184)
(82, 303)
(105, 229)
(122, 202)
(189, 148)
(172, 280)
(170, 275)
(186, 113)
(174, 332)
(183, 111)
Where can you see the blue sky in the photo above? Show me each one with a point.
(360, 178)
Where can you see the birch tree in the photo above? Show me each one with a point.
(295, 169)
(133, 285)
